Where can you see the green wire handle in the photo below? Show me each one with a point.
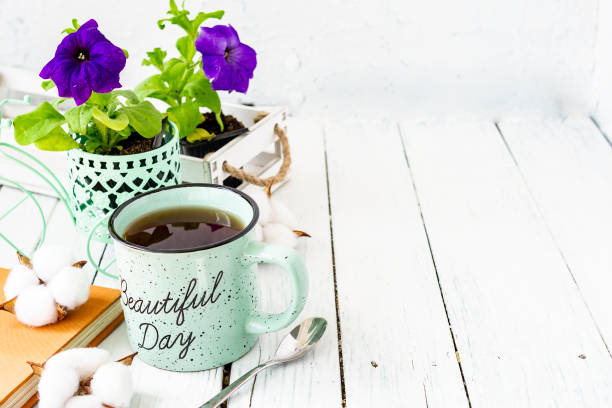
(44, 172)
(25, 101)
(40, 211)
(94, 263)
(28, 195)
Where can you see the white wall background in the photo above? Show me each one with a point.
(390, 58)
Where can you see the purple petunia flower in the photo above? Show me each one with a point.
(85, 61)
(225, 60)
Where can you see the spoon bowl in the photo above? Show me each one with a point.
(300, 340)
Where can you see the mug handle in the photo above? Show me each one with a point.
(94, 263)
(291, 261)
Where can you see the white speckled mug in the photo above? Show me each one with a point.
(196, 309)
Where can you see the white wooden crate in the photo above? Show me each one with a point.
(256, 151)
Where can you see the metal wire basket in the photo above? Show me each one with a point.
(30, 163)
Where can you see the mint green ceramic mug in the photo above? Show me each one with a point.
(196, 309)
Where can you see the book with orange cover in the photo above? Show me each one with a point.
(85, 326)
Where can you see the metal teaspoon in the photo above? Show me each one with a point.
(294, 345)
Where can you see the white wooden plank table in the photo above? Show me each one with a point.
(459, 264)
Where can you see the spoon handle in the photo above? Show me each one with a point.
(224, 394)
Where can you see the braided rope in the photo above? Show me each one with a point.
(264, 182)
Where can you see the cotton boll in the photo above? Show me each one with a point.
(56, 386)
(49, 259)
(84, 401)
(279, 234)
(84, 360)
(35, 306)
(263, 202)
(18, 280)
(112, 383)
(70, 287)
(281, 214)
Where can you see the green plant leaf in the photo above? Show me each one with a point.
(58, 101)
(78, 118)
(200, 134)
(101, 99)
(118, 123)
(186, 116)
(56, 140)
(186, 47)
(201, 17)
(91, 145)
(126, 53)
(180, 19)
(219, 121)
(101, 131)
(149, 86)
(144, 118)
(199, 88)
(156, 58)
(37, 124)
(75, 26)
(131, 96)
(125, 132)
(173, 70)
(48, 84)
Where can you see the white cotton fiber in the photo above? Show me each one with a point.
(279, 234)
(49, 259)
(70, 287)
(263, 202)
(112, 383)
(84, 401)
(35, 306)
(19, 279)
(56, 386)
(281, 214)
(84, 360)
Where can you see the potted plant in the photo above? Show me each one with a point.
(116, 145)
(188, 83)
(209, 60)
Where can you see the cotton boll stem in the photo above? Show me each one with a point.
(301, 233)
(24, 260)
(127, 360)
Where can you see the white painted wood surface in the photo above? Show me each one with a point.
(396, 343)
(567, 166)
(518, 317)
(507, 239)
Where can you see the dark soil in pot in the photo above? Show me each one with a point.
(210, 123)
(201, 148)
(132, 145)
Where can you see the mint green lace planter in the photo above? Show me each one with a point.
(99, 184)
